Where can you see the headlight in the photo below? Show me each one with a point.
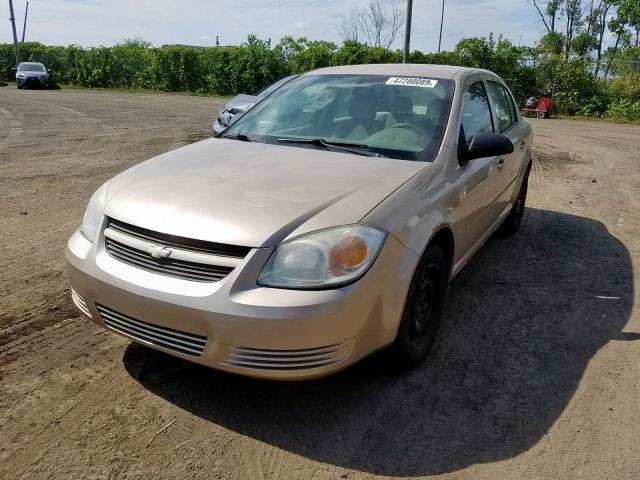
(94, 213)
(323, 259)
(20, 75)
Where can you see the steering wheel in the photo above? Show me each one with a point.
(408, 126)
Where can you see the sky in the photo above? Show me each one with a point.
(197, 22)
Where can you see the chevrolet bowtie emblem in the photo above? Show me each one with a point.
(159, 251)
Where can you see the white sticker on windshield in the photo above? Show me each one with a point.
(412, 82)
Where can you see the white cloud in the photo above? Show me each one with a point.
(301, 25)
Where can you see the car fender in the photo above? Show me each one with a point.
(416, 211)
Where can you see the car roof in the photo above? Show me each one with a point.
(31, 63)
(397, 69)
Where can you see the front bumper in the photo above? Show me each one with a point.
(247, 329)
(33, 82)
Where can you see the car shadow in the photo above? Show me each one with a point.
(522, 321)
(42, 87)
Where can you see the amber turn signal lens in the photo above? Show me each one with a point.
(347, 254)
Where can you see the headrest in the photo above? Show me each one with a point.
(401, 104)
(401, 107)
(360, 106)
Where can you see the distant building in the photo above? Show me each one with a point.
(195, 47)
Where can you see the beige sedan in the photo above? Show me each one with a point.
(323, 225)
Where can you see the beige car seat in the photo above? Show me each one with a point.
(362, 122)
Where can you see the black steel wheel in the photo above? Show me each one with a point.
(422, 310)
(511, 223)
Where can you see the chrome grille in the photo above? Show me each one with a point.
(188, 259)
(167, 266)
(261, 359)
(175, 340)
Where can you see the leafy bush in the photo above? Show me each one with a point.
(626, 86)
(353, 53)
(624, 109)
(251, 66)
(575, 90)
(302, 55)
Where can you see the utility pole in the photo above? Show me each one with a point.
(441, 22)
(407, 32)
(15, 35)
(24, 27)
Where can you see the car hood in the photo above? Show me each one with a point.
(241, 103)
(252, 194)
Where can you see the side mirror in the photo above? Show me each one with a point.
(14, 69)
(49, 70)
(486, 145)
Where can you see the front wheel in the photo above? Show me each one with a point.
(511, 224)
(421, 316)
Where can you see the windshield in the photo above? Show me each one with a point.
(30, 67)
(396, 117)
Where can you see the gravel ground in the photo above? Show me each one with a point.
(535, 372)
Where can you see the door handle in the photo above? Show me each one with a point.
(522, 145)
(500, 164)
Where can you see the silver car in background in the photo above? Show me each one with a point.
(32, 74)
(243, 102)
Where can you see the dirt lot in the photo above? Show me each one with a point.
(534, 374)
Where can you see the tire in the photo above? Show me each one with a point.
(511, 224)
(19, 86)
(422, 310)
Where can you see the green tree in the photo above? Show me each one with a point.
(303, 55)
(629, 14)
(573, 15)
(548, 10)
(552, 43)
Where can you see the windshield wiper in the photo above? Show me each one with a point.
(357, 148)
(242, 137)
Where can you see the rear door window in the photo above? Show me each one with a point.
(503, 105)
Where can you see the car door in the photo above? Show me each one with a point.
(476, 178)
(511, 126)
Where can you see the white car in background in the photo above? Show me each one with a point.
(32, 74)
